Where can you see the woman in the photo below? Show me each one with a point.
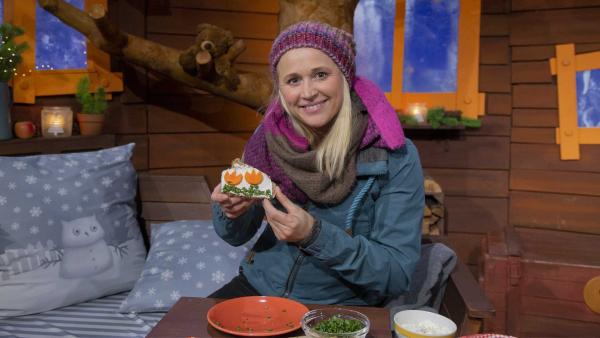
(345, 224)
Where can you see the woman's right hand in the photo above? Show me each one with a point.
(232, 206)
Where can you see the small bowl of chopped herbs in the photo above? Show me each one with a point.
(335, 322)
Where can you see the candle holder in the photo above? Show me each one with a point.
(418, 111)
(57, 121)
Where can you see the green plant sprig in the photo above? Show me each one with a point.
(91, 103)
(251, 191)
(10, 51)
(337, 324)
(436, 117)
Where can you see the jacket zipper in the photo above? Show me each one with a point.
(289, 284)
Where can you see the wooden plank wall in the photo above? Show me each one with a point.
(550, 198)
(547, 193)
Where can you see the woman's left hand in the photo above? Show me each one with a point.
(291, 226)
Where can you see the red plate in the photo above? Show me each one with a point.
(256, 316)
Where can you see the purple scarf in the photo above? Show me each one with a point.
(383, 131)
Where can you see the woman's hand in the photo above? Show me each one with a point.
(232, 206)
(293, 226)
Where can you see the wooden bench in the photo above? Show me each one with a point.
(165, 198)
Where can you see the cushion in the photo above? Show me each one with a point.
(68, 231)
(186, 258)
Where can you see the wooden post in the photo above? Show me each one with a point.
(567, 135)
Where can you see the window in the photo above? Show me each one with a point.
(588, 98)
(422, 51)
(58, 56)
(58, 46)
(578, 81)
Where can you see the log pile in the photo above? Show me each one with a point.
(433, 218)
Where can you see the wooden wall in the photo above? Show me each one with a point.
(547, 193)
(555, 202)
(509, 172)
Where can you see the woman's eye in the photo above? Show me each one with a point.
(321, 75)
(94, 228)
(293, 81)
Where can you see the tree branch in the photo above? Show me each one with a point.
(253, 89)
(208, 64)
(109, 34)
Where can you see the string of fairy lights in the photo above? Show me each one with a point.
(8, 61)
(43, 67)
(9, 65)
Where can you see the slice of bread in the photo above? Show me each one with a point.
(245, 181)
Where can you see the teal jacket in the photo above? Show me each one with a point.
(367, 248)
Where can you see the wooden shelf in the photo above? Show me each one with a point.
(425, 131)
(429, 127)
(56, 145)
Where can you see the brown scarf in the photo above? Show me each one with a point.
(301, 166)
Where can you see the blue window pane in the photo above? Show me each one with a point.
(57, 45)
(430, 46)
(374, 35)
(588, 98)
(1, 11)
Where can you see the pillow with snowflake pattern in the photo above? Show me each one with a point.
(186, 259)
(68, 229)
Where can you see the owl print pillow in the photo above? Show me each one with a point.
(68, 229)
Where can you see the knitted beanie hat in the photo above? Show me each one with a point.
(336, 43)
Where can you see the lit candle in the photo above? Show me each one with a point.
(418, 110)
(57, 121)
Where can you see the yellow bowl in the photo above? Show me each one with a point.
(418, 318)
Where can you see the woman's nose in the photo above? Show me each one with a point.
(308, 90)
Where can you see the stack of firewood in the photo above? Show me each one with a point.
(433, 218)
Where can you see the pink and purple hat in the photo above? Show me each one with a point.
(338, 44)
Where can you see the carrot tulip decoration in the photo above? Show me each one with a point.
(233, 178)
(245, 181)
(254, 177)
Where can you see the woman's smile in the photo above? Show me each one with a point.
(314, 108)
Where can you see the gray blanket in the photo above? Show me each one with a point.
(428, 282)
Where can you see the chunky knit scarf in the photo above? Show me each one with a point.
(284, 155)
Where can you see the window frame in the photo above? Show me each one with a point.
(565, 66)
(30, 83)
(466, 98)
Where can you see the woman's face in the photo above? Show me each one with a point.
(311, 85)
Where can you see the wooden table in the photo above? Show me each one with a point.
(187, 318)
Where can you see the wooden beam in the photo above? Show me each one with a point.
(567, 134)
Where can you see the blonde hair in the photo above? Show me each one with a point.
(331, 151)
